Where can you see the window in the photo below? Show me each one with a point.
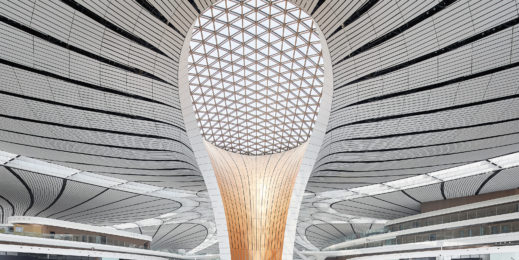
(474, 231)
(18, 229)
(494, 229)
(481, 213)
(454, 217)
(515, 226)
(447, 234)
(472, 214)
(505, 228)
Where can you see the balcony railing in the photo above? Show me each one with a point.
(440, 219)
(103, 240)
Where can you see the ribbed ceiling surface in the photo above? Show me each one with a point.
(419, 86)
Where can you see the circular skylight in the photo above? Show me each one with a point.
(255, 75)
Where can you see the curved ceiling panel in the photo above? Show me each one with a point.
(419, 87)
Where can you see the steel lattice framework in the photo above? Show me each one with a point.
(256, 75)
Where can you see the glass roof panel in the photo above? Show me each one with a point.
(255, 75)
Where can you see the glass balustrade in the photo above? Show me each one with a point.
(103, 240)
(441, 219)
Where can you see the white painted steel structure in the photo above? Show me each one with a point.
(424, 107)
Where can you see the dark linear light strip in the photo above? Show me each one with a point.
(189, 240)
(63, 186)
(100, 206)
(157, 14)
(78, 7)
(423, 16)
(487, 180)
(367, 176)
(436, 53)
(10, 204)
(389, 202)
(73, 48)
(98, 155)
(163, 181)
(157, 230)
(394, 169)
(79, 204)
(416, 146)
(320, 234)
(325, 231)
(411, 197)
(152, 175)
(356, 15)
(192, 2)
(412, 147)
(313, 204)
(123, 216)
(319, 3)
(338, 230)
(95, 144)
(186, 238)
(29, 190)
(426, 112)
(12, 159)
(81, 83)
(442, 189)
(159, 205)
(418, 157)
(433, 86)
(353, 229)
(167, 233)
(95, 129)
(341, 182)
(430, 131)
(380, 209)
(113, 113)
(316, 240)
(119, 167)
(383, 211)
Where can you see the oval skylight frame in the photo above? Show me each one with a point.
(256, 73)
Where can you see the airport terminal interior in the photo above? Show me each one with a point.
(259, 129)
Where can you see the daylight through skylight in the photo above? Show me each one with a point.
(255, 75)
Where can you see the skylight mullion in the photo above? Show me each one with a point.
(253, 94)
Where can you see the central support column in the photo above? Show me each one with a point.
(256, 193)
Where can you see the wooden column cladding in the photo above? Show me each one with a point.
(256, 192)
